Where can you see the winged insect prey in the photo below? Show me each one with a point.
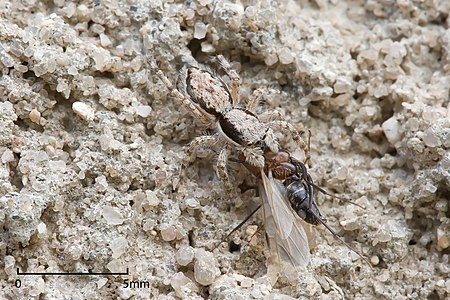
(214, 103)
(301, 190)
(298, 183)
(288, 236)
(291, 179)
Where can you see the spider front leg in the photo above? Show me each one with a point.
(234, 77)
(270, 116)
(254, 100)
(271, 141)
(296, 136)
(254, 156)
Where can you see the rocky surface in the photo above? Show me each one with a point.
(91, 145)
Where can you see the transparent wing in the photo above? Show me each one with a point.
(287, 239)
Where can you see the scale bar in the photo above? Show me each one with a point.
(70, 273)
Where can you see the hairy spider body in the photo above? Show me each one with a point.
(210, 100)
(239, 126)
(242, 127)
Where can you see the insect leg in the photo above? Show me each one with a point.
(342, 241)
(239, 225)
(334, 196)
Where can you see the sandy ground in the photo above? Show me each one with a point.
(91, 144)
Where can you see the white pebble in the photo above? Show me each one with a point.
(189, 14)
(200, 30)
(42, 228)
(375, 260)
(75, 252)
(285, 56)
(143, 110)
(9, 262)
(35, 116)
(118, 246)
(7, 156)
(250, 11)
(21, 68)
(184, 255)
(391, 129)
(62, 59)
(72, 70)
(101, 282)
(63, 88)
(101, 58)
(368, 111)
(341, 173)
(152, 199)
(431, 188)
(342, 85)
(115, 266)
(183, 285)
(271, 59)
(105, 41)
(251, 230)
(37, 288)
(342, 99)
(192, 203)
(83, 110)
(246, 282)
(168, 232)
(384, 276)
(112, 215)
(207, 47)
(205, 270)
(349, 221)
(101, 182)
(431, 139)
(97, 28)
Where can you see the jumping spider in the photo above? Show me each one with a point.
(212, 102)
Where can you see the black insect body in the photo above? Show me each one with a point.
(301, 197)
(300, 188)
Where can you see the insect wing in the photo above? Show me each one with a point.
(288, 241)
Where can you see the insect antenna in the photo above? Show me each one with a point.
(334, 196)
(340, 239)
(308, 151)
(238, 226)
